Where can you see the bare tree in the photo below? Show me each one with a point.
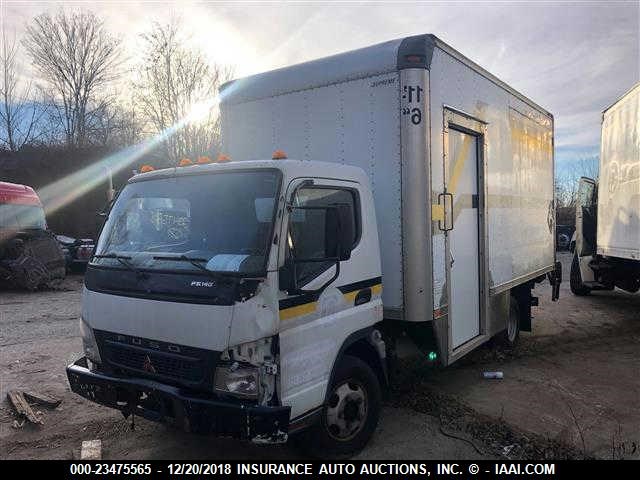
(76, 57)
(20, 114)
(567, 182)
(566, 189)
(116, 124)
(176, 90)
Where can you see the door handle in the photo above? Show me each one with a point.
(446, 200)
(363, 297)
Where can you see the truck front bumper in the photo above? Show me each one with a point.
(197, 413)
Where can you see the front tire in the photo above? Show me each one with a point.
(575, 279)
(350, 414)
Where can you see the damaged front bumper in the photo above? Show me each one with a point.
(194, 412)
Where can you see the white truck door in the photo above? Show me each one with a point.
(314, 326)
(462, 182)
(586, 211)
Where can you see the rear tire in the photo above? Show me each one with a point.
(575, 279)
(510, 335)
(350, 414)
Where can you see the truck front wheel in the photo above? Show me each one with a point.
(350, 414)
(575, 279)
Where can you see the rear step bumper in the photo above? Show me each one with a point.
(197, 413)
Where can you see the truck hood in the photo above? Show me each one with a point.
(201, 326)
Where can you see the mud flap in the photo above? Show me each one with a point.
(522, 295)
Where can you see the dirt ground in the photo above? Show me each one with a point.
(575, 379)
(570, 389)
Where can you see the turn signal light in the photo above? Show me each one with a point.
(222, 158)
(146, 168)
(279, 155)
(185, 162)
(202, 160)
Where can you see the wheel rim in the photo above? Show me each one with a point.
(346, 410)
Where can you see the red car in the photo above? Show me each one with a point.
(30, 256)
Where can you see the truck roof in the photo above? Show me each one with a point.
(292, 168)
(409, 52)
(17, 194)
(622, 97)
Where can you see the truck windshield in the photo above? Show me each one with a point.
(218, 222)
(20, 217)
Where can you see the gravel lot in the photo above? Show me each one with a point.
(571, 389)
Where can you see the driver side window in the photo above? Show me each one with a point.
(308, 228)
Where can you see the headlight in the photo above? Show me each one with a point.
(241, 381)
(89, 342)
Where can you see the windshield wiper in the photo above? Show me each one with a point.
(122, 259)
(196, 262)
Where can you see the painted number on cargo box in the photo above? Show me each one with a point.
(412, 95)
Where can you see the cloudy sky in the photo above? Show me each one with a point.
(573, 58)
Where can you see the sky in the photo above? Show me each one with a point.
(572, 58)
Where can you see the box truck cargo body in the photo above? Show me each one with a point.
(619, 202)
(461, 167)
(258, 298)
(607, 249)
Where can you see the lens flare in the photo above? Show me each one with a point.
(201, 110)
(62, 192)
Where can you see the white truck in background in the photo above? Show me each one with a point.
(259, 298)
(607, 239)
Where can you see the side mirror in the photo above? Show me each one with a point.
(339, 231)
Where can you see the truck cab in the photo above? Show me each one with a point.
(242, 299)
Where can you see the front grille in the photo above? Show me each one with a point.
(175, 364)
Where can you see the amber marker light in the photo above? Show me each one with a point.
(279, 155)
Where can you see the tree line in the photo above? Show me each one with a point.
(78, 100)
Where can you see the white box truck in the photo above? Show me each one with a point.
(607, 241)
(259, 297)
